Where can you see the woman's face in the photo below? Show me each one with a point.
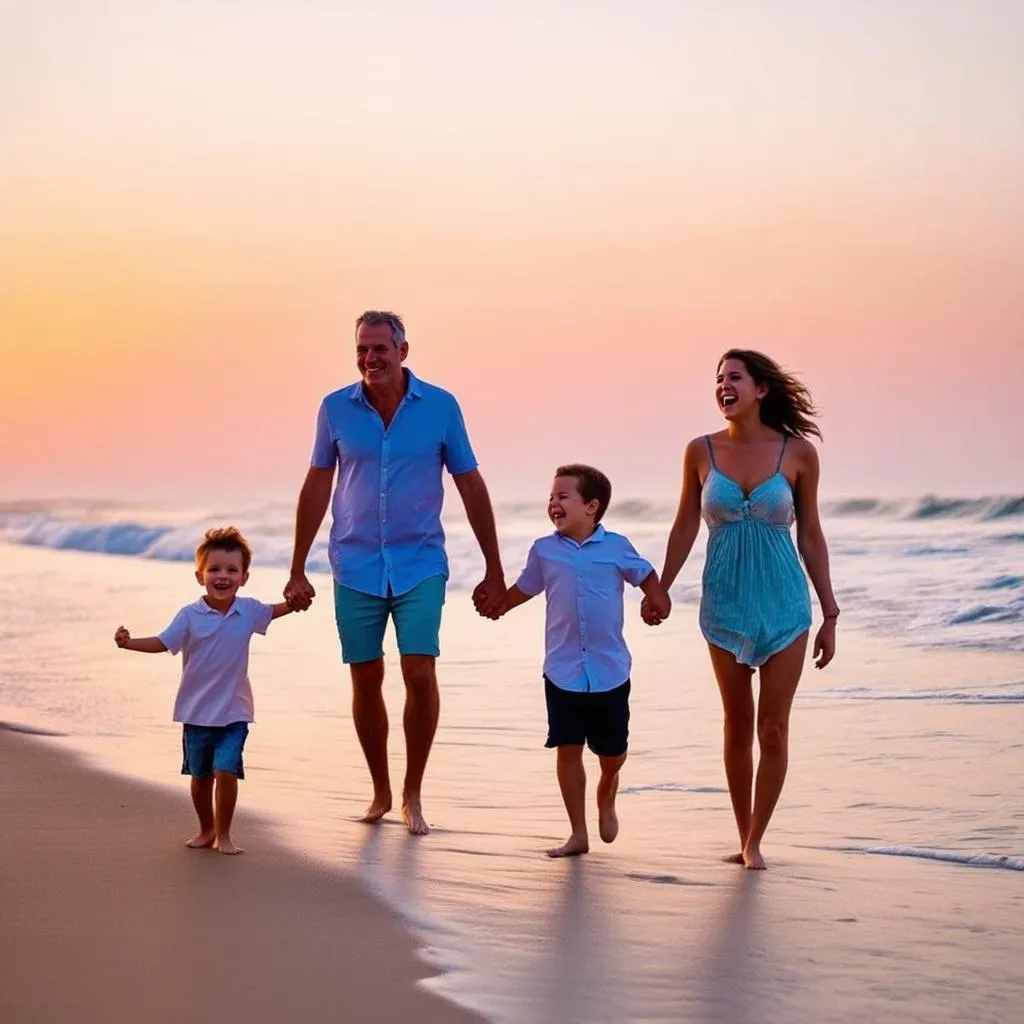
(736, 391)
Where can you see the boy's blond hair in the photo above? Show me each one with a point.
(223, 538)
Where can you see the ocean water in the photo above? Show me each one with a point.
(896, 856)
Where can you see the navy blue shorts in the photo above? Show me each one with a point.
(206, 749)
(598, 719)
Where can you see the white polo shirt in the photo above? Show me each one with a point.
(214, 688)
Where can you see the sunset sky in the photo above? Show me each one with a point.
(575, 206)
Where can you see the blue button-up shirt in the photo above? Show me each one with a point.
(386, 532)
(583, 584)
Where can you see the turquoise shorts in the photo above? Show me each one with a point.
(362, 619)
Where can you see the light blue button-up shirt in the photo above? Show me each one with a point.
(386, 531)
(583, 584)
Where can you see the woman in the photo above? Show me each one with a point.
(750, 481)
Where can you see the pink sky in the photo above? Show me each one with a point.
(575, 212)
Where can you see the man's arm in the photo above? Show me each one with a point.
(145, 644)
(314, 498)
(489, 595)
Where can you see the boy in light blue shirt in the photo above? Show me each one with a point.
(582, 568)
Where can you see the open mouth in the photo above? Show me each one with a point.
(727, 400)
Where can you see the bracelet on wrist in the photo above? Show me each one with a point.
(832, 615)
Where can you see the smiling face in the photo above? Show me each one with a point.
(738, 394)
(378, 358)
(222, 575)
(571, 515)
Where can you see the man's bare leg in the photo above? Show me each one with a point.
(371, 720)
(607, 787)
(202, 801)
(734, 685)
(422, 710)
(572, 780)
(779, 678)
(226, 796)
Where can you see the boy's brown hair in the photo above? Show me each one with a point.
(223, 538)
(592, 484)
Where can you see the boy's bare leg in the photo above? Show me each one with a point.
(202, 801)
(370, 716)
(226, 796)
(572, 780)
(607, 787)
(422, 710)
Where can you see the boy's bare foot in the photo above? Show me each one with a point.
(752, 859)
(734, 858)
(202, 841)
(607, 819)
(412, 815)
(573, 847)
(380, 806)
(224, 845)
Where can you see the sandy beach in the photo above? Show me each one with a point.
(105, 918)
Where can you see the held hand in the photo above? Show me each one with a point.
(489, 596)
(655, 609)
(825, 643)
(121, 636)
(299, 593)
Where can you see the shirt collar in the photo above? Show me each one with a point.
(594, 538)
(413, 388)
(204, 609)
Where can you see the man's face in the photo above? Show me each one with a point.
(379, 359)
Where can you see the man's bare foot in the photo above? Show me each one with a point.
(225, 845)
(734, 858)
(202, 840)
(412, 815)
(607, 819)
(378, 808)
(573, 847)
(752, 859)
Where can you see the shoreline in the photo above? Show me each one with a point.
(109, 917)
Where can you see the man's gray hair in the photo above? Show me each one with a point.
(372, 317)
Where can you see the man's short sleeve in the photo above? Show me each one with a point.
(173, 637)
(633, 566)
(531, 579)
(325, 453)
(458, 453)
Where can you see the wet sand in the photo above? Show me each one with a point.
(105, 916)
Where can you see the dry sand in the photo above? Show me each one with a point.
(105, 916)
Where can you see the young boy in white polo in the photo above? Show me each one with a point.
(214, 701)
(581, 568)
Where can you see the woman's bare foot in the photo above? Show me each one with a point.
(734, 858)
(607, 819)
(380, 806)
(412, 815)
(203, 840)
(224, 845)
(752, 859)
(573, 847)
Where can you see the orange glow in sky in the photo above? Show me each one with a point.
(574, 211)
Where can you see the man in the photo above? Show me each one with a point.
(390, 436)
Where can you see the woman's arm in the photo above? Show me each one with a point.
(810, 541)
(687, 521)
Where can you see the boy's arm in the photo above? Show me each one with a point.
(279, 609)
(658, 603)
(145, 644)
(514, 597)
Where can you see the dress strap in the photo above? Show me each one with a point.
(711, 451)
(778, 465)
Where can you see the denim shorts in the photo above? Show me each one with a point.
(206, 749)
(600, 719)
(363, 618)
